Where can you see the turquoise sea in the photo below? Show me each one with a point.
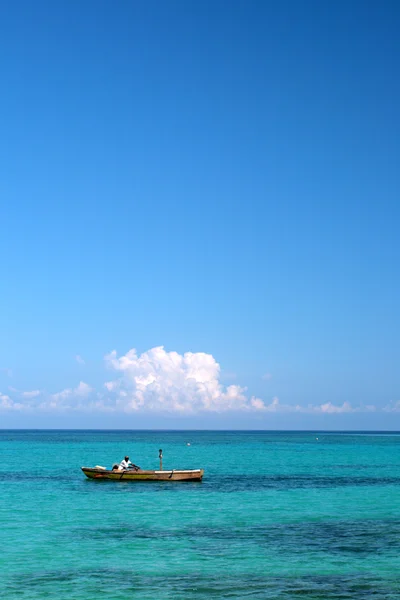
(279, 515)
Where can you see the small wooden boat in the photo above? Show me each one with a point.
(138, 474)
(141, 475)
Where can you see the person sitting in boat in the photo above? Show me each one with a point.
(125, 464)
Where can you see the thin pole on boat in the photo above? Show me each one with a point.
(160, 457)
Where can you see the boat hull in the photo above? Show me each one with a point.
(141, 475)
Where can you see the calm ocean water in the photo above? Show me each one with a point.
(278, 516)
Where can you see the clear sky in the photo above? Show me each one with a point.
(214, 184)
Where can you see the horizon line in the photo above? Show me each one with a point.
(202, 430)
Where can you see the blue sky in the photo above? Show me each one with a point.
(214, 178)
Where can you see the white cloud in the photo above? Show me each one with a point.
(326, 408)
(111, 385)
(7, 403)
(330, 408)
(80, 360)
(257, 404)
(28, 394)
(70, 398)
(158, 381)
(31, 394)
(266, 376)
(81, 391)
(188, 383)
(274, 406)
(392, 407)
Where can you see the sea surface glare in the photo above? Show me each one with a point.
(277, 516)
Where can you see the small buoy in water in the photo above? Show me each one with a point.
(316, 439)
(188, 444)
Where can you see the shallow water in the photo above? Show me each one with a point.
(278, 515)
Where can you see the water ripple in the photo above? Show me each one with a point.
(121, 584)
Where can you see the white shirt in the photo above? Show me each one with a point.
(124, 464)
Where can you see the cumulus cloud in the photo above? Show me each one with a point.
(188, 383)
(81, 391)
(158, 381)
